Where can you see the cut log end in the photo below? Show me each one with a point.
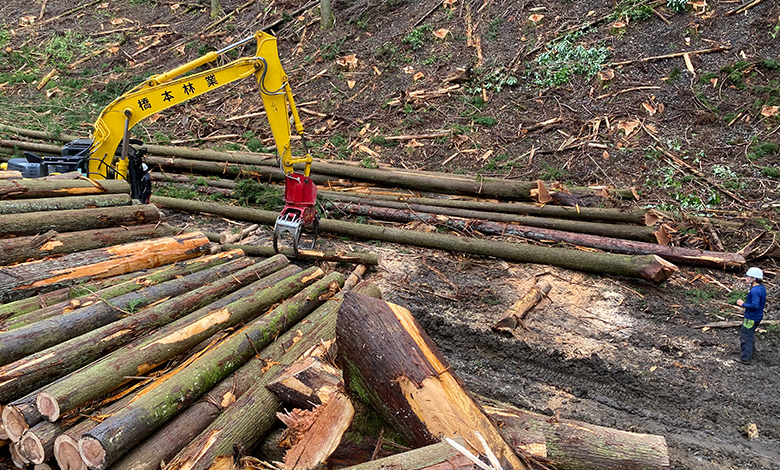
(32, 448)
(16, 456)
(14, 423)
(659, 270)
(66, 453)
(47, 406)
(92, 452)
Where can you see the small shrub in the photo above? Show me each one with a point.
(677, 5)
(565, 59)
(416, 38)
(771, 171)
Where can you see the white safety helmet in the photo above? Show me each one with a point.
(144, 167)
(755, 272)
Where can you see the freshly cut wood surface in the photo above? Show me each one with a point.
(26, 279)
(390, 358)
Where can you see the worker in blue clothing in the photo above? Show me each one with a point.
(754, 313)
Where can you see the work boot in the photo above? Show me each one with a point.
(744, 362)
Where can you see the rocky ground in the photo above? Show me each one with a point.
(518, 98)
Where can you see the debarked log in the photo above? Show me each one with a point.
(649, 267)
(402, 212)
(112, 438)
(30, 223)
(44, 366)
(92, 290)
(245, 422)
(26, 279)
(20, 342)
(18, 206)
(20, 249)
(575, 445)
(143, 354)
(389, 357)
(29, 189)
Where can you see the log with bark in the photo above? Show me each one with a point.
(20, 249)
(23, 341)
(19, 416)
(227, 238)
(18, 206)
(402, 212)
(574, 445)
(56, 361)
(10, 175)
(112, 438)
(515, 315)
(689, 256)
(91, 291)
(30, 223)
(396, 366)
(33, 188)
(145, 353)
(440, 456)
(37, 443)
(245, 422)
(649, 267)
(26, 279)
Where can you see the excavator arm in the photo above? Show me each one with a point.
(171, 88)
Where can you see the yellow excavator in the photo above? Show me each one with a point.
(103, 158)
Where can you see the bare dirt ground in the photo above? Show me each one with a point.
(603, 349)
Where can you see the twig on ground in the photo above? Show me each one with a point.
(744, 8)
(671, 56)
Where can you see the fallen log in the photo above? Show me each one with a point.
(439, 456)
(227, 238)
(30, 223)
(44, 366)
(10, 175)
(30, 304)
(254, 413)
(91, 291)
(401, 212)
(23, 341)
(688, 256)
(627, 216)
(20, 249)
(574, 445)
(516, 314)
(26, 279)
(193, 180)
(307, 383)
(33, 188)
(392, 361)
(649, 267)
(37, 443)
(19, 416)
(109, 440)
(18, 206)
(142, 355)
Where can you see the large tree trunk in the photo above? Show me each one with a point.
(30, 189)
(574, 445)
(649, 267)
(245, 422)
(396, 366)
(58, 360)
(63, 203)
(20, 249)
(403, 212)
(20, 342)
(92, 291)
(144, 354)
(19, 416)
(30, 223)
(37, 443)
(26, 279)
(689, 256)
(115, 436)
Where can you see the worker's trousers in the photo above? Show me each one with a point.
(747, 338)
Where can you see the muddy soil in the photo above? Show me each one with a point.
(602, 349)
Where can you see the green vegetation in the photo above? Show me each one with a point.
(380, 140)
(771, 171)
(484, 120)
(264, 196)
(177, 191)
(762, 149)
(551, 173)
(253, 143)
(491, 80)
(565, 59)
(332, 50)
(677, 5)
(417, 37)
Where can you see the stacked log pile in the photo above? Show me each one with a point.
(629, 241)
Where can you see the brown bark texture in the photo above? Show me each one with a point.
(26, 279)
(648, 267)
(30, 223)
(411, 386)
(30, 189)
(245, 422)
(515, 315)
(439, 456)
(20, 249)
(18, 206)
